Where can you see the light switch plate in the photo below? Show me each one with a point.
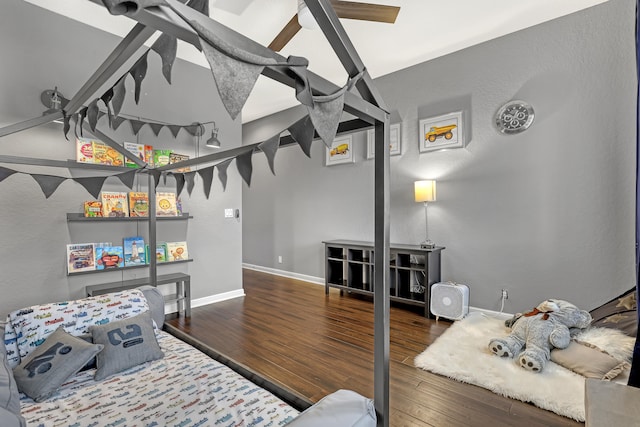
(228, 213)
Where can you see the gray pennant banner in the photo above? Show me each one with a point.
(243, 163)
(136, 125)
(207, 179)
(92, 114)
(66, 126)
(325, 116)
(116, 122)
(156, 176)
(269, 148)
(191, 181)
(302, 131)
(156, 127)
(119, 91)
(127, 178)
(81, 115)
(222, 172)
(139, 72)
(5, 173)
(166, 46)
(92, 184)
(179, 182)
(48, 183)
(174, 129)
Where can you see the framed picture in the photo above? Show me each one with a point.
(446, 131)
(395, 149)
(341, 151)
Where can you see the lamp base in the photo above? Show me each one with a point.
(427, 244)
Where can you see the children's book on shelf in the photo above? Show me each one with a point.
(177, 158)
(177, 251)
(137, 150)
(92, 208)
(114, 204)
(109, 257)
(161, 252)
(80, 257)
(148, 155)
(138, 203)
(134, 253)
(161, 157)
(84, 150)
(106, 155)
(166, 204)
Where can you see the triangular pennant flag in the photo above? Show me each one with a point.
(127, 178)
(207, 178)
(5, 173)
(48, 183)
(222, 172)
(81, 115)
(191, 182)
(116, 122)
(179, 182)
(119, 91)
(156, 176)
(92, 114)
(101, 114)
(325, 116)
(138, 72)
(302, 131)
(166, 46)
(156, 127)
(192, 129)
(243, 163)
(66, 126)
(303, 88)
(269, 148)
(201, 6)
(136, 125)
(174, 129)
(76, 119)
(92, 184)
(106, 98)
(164, 177)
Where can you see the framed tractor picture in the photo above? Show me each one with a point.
(441, 132)
(341, 151)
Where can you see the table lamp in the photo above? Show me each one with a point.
(425, 191)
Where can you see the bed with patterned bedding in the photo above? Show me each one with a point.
(177, 386)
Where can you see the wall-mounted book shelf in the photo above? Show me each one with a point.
(77, 217)
(129, 267)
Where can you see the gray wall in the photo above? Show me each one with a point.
(41, 50)
(547, 213)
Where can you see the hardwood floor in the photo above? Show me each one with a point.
(290, 333)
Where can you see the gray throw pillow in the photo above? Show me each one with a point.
(127, 343)
(56, 360)
(9, 395)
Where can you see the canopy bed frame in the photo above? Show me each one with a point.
(169, 17)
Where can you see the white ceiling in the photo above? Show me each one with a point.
(424, 30)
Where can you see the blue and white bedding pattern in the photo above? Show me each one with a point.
(184, 389)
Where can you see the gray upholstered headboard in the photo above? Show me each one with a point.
(156, 303)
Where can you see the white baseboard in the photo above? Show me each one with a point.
(283, 273)
(173, 307)
(491, 313)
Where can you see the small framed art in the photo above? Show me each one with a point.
(395, 148)
(341, 151)
(440, 132)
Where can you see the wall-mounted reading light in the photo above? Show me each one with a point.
(213, 142)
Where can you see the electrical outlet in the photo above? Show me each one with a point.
(279, 259)
(505, 294)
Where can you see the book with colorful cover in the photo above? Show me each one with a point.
(80, 257)
(84, 150)
(166, 204)
(148, 155)
(177, 158)
(137, 150)
(92, 208)
(138, 204)
(105, 155)
(109, 257)
(161, 252)
(177, 251)
(114, 204)
(161, 157)
(134, 251)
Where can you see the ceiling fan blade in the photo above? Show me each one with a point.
(365, 11)
(286, 34)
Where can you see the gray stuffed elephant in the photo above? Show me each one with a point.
(534, 334)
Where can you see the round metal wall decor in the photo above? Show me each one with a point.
(514, 117)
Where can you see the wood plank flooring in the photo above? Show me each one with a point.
(290, 333)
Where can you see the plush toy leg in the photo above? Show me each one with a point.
(533, 359)
(560, 338)
(505, 347)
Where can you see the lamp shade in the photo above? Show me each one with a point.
(425, 191)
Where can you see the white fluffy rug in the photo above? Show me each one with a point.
(461, 353)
